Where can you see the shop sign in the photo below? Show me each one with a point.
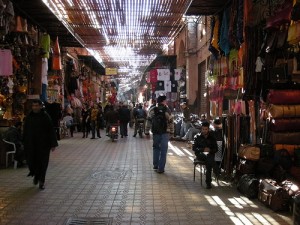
(111, 71)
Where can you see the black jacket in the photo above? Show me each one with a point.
(201, 142)
(124, 115)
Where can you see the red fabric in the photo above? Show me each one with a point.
(56, 61)
(153, 76)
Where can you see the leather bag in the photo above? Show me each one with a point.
(289, 148)
(284, 111)
(248, 186)
(285, 138)
(284, 97)
(246, 167)
(264, 167)
(273, 196)
(266, 151)
(296, 210)
(281, 16)
(293, 36)
(295, 172)
(297, 157)
(285, 125)
(290, 187)
(249, 152)
(295, 14)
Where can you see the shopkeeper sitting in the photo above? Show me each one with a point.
(13, 134)
(205, 146)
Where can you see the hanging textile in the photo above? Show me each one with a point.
(168, 86)
(174, 87)
(153, 76)
(214, 51)
(45, 71)
(56, 61)
(224, 32)
(6, 62)
(163, 74)
(177, 74)
(45, 45)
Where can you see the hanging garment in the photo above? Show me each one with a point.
(240, 22)
(177, 74)
(153, 76)
(163, 74)
(174, 87)
(6, 62)
(160, 86)
(8, 17)
(224, 32)
(215, 39)
(44, 96)
(168, 86)
(45, 45)
(45, 71)
(56, 61)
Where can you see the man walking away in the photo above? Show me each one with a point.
(148, 121)
(124, 114)
(205, 146)
(161, 126)
(186, 121)
(39, 140)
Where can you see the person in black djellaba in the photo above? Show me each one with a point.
(39, 140)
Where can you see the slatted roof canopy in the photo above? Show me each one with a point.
(123, 32)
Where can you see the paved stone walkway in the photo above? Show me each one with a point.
(98, 178)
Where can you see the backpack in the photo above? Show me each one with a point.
(159, 121)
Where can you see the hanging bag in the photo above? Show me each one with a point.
(294, 33)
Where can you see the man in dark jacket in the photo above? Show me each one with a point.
(39, 140)
(139, 117)
(124, 115)
(205, 146)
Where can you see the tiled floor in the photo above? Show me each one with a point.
(98, 178)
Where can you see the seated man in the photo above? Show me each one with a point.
(205, 147)
(13, 134)
(195, 129)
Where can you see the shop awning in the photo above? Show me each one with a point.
(39, 15)
(91, 62)
(206, 7)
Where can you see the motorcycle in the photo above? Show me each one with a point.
(140, 127)
(113, 132)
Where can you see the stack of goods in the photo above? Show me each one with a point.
(284, 112)
(274, 190)
(163, 82)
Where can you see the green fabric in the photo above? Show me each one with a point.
(45, 45)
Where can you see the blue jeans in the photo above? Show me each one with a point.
(160, 148)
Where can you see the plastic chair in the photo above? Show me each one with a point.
(11, 153)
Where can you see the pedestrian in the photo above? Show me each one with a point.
(140, 116)
(148, 121)
(95, 117)
(186, 120)
(161, 126)
(124, 116)
(39, 139)
(205, 146)
(69, 121)
(85, 123)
